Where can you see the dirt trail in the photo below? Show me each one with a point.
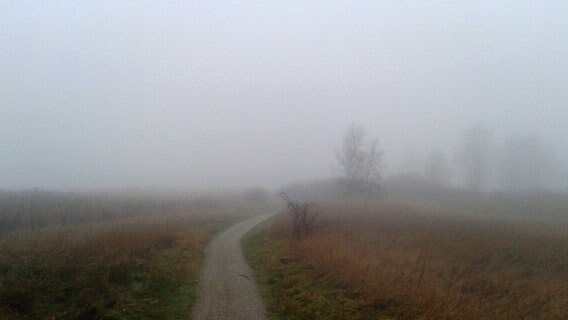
(226, 286)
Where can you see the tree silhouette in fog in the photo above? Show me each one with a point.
(360, 163)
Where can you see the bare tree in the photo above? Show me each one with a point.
(360, 163)
(303, 214)
(437, 169)
(527, 163)
(473, 158)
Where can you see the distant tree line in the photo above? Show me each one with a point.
(522, 163)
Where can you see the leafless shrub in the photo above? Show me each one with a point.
(304, 215)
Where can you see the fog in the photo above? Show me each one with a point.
(219, 94)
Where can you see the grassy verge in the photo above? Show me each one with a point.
(294, 290)
(132, 270)
(409, 263)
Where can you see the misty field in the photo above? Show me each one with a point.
(95, 257)
(387, 260)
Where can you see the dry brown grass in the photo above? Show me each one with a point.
(140, 267)
(420, 265)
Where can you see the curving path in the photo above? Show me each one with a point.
(226, 286)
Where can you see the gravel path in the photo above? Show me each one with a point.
(226, 286)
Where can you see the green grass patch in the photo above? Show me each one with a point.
(144, 270)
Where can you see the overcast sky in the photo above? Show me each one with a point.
(222, 94)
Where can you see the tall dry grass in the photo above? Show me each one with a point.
(133, 266)
(416, 264)
(36, 209)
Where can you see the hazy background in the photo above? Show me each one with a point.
(223, 94)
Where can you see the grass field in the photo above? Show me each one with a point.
(294, 290)
(121, 265)
(385, 260)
